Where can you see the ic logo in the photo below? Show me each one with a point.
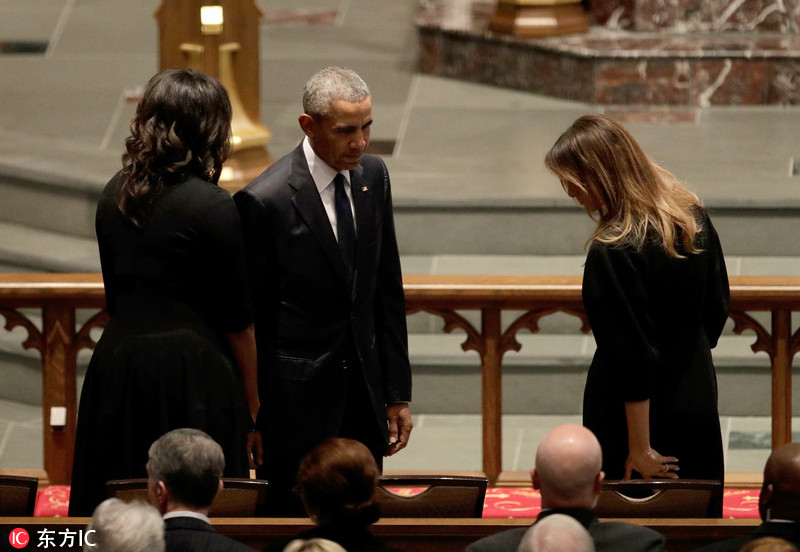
(19, 538)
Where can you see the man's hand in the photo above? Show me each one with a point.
(400, 424)
(255, 449)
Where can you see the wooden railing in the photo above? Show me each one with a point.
(58, 340)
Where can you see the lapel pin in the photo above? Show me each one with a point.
(364, 189)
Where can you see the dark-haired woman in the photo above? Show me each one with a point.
(655, 289)
(337, 482)
(179, 350)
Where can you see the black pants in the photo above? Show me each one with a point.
(358, 422)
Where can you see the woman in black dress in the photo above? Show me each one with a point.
(179, 350)
(655, 289)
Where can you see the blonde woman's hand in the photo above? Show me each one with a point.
(650, 464)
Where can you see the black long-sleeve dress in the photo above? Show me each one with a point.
(174, 288)
(655, 320)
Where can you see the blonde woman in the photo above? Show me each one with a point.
(655, 289)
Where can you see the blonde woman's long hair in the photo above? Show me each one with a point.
(633, 200)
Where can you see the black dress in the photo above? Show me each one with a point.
(655, 320)
(174, 288)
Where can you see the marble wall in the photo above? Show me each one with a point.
(637, 69)
(611, 65)
(781, 16)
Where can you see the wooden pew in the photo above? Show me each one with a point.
(413, 535)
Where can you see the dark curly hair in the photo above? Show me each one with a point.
(182, 127)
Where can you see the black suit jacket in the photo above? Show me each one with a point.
(782, 530)
(608, 536)
(188, 534)
(352, 539)
(307, 313)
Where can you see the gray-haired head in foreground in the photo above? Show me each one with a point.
(313, 545)
(125, 527)
(557, 533)
(190, 463)
(330, 84)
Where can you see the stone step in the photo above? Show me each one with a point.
(54, 198)
(60, 201)
(24, 248)
(520, 227)
(548, 374)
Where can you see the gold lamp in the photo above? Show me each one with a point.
(224, 43)
(211, 19)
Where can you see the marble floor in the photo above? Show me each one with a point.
(439, 441)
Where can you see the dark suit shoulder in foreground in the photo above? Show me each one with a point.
(609, 536)
(782, 530)
(187, 534)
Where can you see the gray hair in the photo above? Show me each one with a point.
(125, 527)
(557, 533)
(331, 84)
(190, 463)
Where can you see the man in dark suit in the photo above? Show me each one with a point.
(778, 503)
(327, 289)
(568, 475)
(184, 469)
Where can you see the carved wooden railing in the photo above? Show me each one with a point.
(59, 340)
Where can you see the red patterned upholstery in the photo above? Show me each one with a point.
(52, 501)
(500, 502)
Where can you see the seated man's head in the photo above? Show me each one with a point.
(768, 544)
(568, 468)
(780, 493)
(125, 527)
(313, 545)
(337, 481)
(185, 471)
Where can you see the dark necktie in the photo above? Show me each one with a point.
(344, 224)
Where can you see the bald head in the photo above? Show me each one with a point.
(780, 493)
(568, 463)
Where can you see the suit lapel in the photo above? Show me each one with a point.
(308, 203)
(365, 221)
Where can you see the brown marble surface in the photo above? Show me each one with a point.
(611, 66)
(471, 18)
(780, 16)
